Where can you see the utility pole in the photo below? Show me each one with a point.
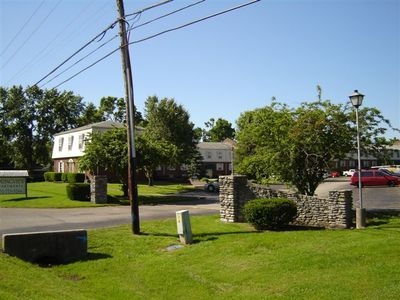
(129, 100)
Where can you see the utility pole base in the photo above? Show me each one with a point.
(360, 218)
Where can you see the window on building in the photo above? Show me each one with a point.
(219, 155)
(352, 163)
(60, 143)
(209, 154)
(70, 142)
(61, 167)
(220, 166)
(81, 141)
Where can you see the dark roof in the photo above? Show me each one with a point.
(214, 146)
(99, 125)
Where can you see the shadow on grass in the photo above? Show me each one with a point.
(210, 236)
(157, 200)
(50, 261)
(25, 198)
(381, 217)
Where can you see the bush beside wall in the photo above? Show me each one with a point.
(78, 191)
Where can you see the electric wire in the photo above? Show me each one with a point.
(22, 28)
(92, 40)
(112, 25)
(32, 34)
(148, 8)
(156, 35)
(166, 15)
(46, 51)
(193, 22)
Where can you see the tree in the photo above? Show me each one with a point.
(152, 153)
(299, 145)
(107, 152)
(167, 121)
(218, 131)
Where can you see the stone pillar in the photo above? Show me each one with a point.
(233, 194)
(341, 213)
(98, 189)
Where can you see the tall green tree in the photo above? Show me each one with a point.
(29, 119)
(170, 122)
(107, 152)
(218, 131)
(299, 145)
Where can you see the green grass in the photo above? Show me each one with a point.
(226, 261)
(53, 195)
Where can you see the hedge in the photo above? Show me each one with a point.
(78, 191)
(273, 213)
(64, 177)
(52, 176)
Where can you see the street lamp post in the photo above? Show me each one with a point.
(356, 100)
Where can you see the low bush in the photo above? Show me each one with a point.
(75, 177)
(78, 191)
(49, 176)
(58, 176)
(274, 213)
(64, 177)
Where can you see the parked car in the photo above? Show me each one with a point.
(349, 173)
(332, 174)
(389, 172)
(374, 177)
(212, 186)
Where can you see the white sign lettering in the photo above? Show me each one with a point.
(12, 186)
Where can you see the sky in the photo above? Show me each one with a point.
(216, 68)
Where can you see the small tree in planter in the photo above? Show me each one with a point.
(274, 213)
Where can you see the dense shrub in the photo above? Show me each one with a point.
(49, 176)
(75, 177)
(78, 191)
(273, 213)
(57, 176)
(64, 177)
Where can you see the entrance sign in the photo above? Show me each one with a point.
(13, 182)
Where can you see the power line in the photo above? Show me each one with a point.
(193, 22)
(76, 52)
(46, 51)
(158, 34)
(93, 39)
(22, 28)
(166, 15)
(31, 35)
(115, 36)
(148, 8)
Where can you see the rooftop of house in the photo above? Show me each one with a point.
(214, 146)
(99, 125)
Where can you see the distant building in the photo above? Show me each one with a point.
(70, 145)
(217, 157)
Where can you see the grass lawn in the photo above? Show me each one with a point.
(226, 261)
(54, 195)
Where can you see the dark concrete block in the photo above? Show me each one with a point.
(55, 247)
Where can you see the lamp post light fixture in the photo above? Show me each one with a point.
(356, 100)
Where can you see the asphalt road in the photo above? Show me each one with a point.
(14, 220)
(374, 197)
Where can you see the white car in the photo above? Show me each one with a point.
(349, 173)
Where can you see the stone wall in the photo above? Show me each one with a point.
(98, 189)
(333, 212)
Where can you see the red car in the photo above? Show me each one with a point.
(374, 177)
